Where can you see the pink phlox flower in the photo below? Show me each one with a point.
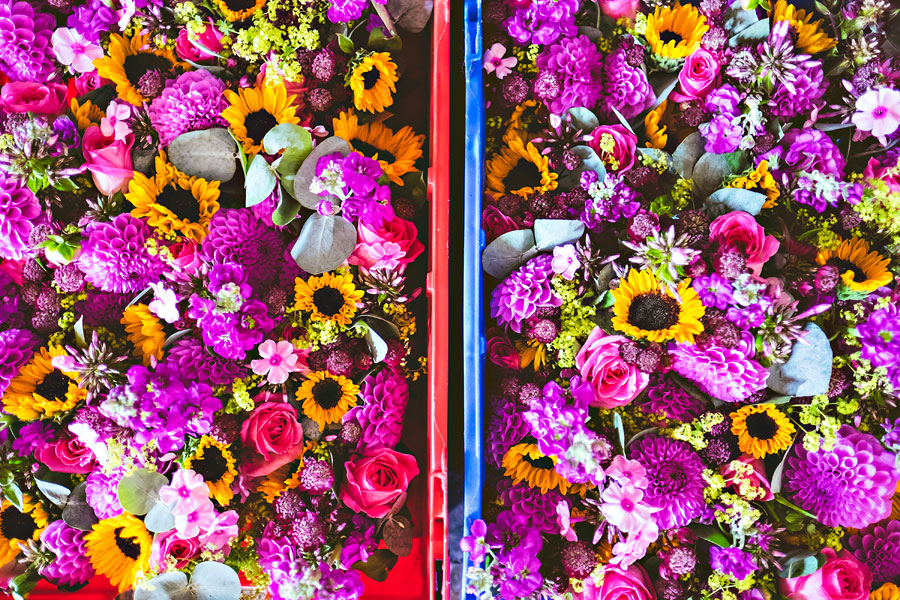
(565, 261)
(623, 507)
(878, 111)
(74, 50)
(277, 361)
(165, 304)
(628, 472)
(564, 520)
(187, 488)
(115, 123)
(496, 64)
(220, 533)
(634, 547)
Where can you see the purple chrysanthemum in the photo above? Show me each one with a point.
(20, 211)
(25, 48)
(237, 236)
(724, 373)
(72, 565)
(809, 85)
(850, 485)
(625, 87)
(878, 546)
(812, 150)
(384, 395)
(191, 102)
(670, 400)
(542, 21)
(523, 292)
(102, 494)
(529, 503)
(16, 348)
(578, 63)
(194, 363)
(115, 258)
(880, 338)
(676, 485)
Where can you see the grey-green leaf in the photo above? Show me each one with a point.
(729, 199)
(260, 181)
(550, 233)
(287, 210)
(687, 154)
(139, 490)
(345, 44)
(709, 172)
(208, 153)
(508, 252)
(215, 581)
(159, 519)
(325, 243)
(78, 513)
(288, 135)
(584, 119)
(168, 586)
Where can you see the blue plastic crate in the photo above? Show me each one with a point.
(473, 317)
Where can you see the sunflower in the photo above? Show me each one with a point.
(644, 310)
(656, 133)
(171, 201)
(761, 180)
(214, 461)
(810, 36)
(675, 31)
(531, 352)
(887, 591)
(133, 67)
(761, 430)
(519, 169)
(396, 152)
(372, 82)
(119, 547)
(238, 10)
(145, 332)
(524, 462)
(86, 114)
(254, 111)
(326, 398)
(861, 270)
(18, 527)
(40, 390)
(329, 297)
(524, 122)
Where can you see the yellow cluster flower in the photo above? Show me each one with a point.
(879, 207)
(681, 192)
(576, 321)
(402, 318)
(240, 400)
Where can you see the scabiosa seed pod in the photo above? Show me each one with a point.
(289, 504)
(515, 88)
(317, 476)
(307, 531)
(322, 67)
(529, 392)
(827, 278)
(226, 429)
(69, 278)
(319, 99)
(33, 271)
(547, 86)
(578, 559)
(729, 262)
(839, 384)
(542, 330)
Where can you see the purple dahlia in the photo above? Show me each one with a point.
(191, 102)
(16, 348)
(506, 428)
(625, 87)
(850, 485)
(812, 150)
(529, 503)
(194, 363)
(103, 495)
(880, 339)
(25, 48)
(809, 86)
(676, 485)
(578, 64)
(523, 292)
(385, 396)
(542, 21)
(115, 258)
(666, 398)
(20, 211)
(724, 373)
(878, 546)
(237, 236)
(72, 565)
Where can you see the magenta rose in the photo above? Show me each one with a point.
(883, 168)
(740, 230)
(204, 47)
(86, 82)
(753, 486)
(632, 583)
(392, 246)
(376, 480)
(186, 256)
(697, 77)
(30, 96)
(108, 159)
(495, 223)
(619, 9)
(614, 381)
(842, 577)
(67, 455)
(274, 437)
(501, 351)
(615, 146)
(168, 544)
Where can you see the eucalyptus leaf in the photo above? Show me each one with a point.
(345, 44)
(288, 135)
(378, 348)
(620, 429)
(584, 119)
(800, 564)
(215, 581)
(168, 586)
(325, 243)
(378, 42)
(287, 210)
(260, 181)
(54, 486)
(550, 233)
(160, 518)
(414, 188)
(208, 153)
(508, 252)
(289, 162)
(711, 534)
(592, 33)
(709, 172)
(378, 565)
(622, 120)
(78, 513)
(307, 171)
(729, 199)
(138, 491)
(78, 330)
(757, 32)
(663, 84)
(410, 15)
(688, 153)
(590, 161)
(777, 479)
(13, 493)
(174, 338)
(737, 18)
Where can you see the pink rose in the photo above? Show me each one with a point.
(495, 223)
(108, 159)
(753, 486)
(168, 544)
(30, 96)
(186, 255)
(615, 146)
(376, 480)
(880, 167)
(68, 455)
(632, 583)
(501, 351)
(86, 82)
(392, 246)
(842, 577)
(203, 47)
(740, 230)
(614, 381)
(619, 9)
(274, 436)
(697, 76)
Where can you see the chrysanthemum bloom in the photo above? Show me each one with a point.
(396, 152)
(676, 485)
(762, 429)
(519, 169)
(505, 428)
(252, 112)
(724, 373)
(523, 292)
(237, 236)
(671, 401)
(850, 485)
(537, 508)
(625, 87)
(71, 566)
(138, 71)
(16, 349)
(194, 101)
(675, 31)
(644, 310)
(860, 270)
(373, 82)
(578, 63)
(810, 36)
(380, 415)
(118, 548)
(25, 50)
(878, 546)
(115, 258)
(20, 212)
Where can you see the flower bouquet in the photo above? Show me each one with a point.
(209, 233)
(692, 354)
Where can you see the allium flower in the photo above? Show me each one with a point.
(20, 212)
(25, 48)
(880, 339)
(114, 256)
(542, 21)
(385, 396)
(670, 400)
(625, 87)
(523, 292)
(495, 63)
(878, 547)
(16, 348)
(276, 362)
(577, 62)
(676, 485)
(191, 102)
(237, 236)
(732, 561)
(72, 565)
(73, 49)
(850, 485)
(723, 373)
(878, 111)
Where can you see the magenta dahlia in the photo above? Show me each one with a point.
(724, 373)
(72, 565)
(385, 396)
(666, 398)
(16, 348)
(523, 292)
(878, 546)
(26, 52)
(115, 258)
(676, 485)
(578, 64)
(192, 102)
(195, 363)
(20, 211)
(237, 236)
(625, 87)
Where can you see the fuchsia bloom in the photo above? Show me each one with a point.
(614, 381)
(878, 111)
(496, 64)
(277, 361)
(623, 508)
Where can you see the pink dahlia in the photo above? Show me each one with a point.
(878, 546)
(577, 63)
(191, 102)
(625, 87)
(115, 258)
(385, 396)
(16, 348)
(72, 565)
(524, 292)
(676, 479)
(724, 373)
(26, 52)
(20, 211)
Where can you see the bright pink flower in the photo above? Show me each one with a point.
(202, 47)
(697, 77)
(221, 532)
(187, 487)
(615, 382)
(628, 472)
(630, 583)
(391, 246)
(753, 486)
(842, 577)
(272, 438)
(619, 9)
(495, 223)
(30, 96)
(67, 455)
(878, 111)
(496, 64)
(108, 160)
(277, 361)
(376, 480)
(565, 261)
(615, 146)
(623, 507)
(73, 49)
(740, 230)
(168, 544)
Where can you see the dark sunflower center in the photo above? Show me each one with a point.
(761, 426)
(845, 265)
(370, 151)
(127, 546)
(138, 65)
(523, 175)
(53, 386)
(327, 393)
(544, 462)
(670, 36)
(652, 312)
(212, 466)
(181, 202)
(370, 78)
(239, 5)
(258, 124)
(14, 524)
(328, 301)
